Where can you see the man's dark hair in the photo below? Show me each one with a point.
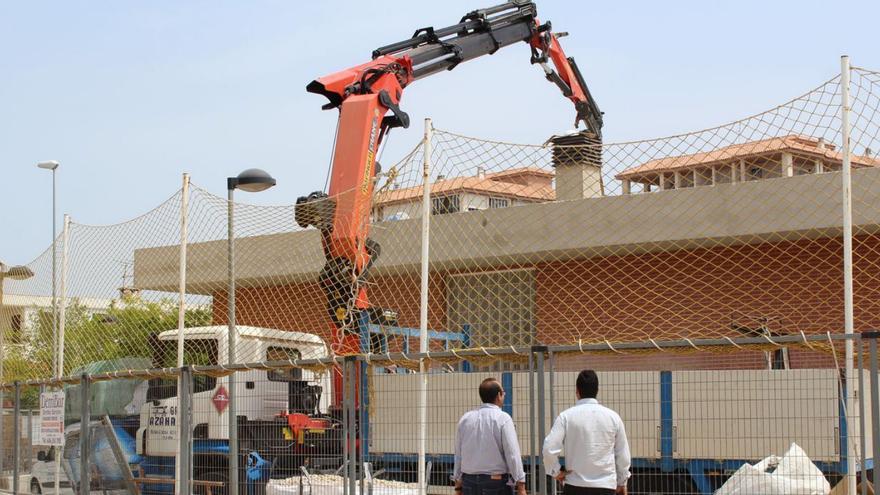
(588, 384)
(490, 389)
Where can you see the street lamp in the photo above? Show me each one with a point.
(15, 273)
(53, 166)
(251, 180)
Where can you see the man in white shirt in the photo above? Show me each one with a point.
(487, 455)
(593, 440)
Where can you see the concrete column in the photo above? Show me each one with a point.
(626, 186)
(820, 167)
(714, 175)
(733, 172)
(662, 181)
(742, 171)
(677, 178)
(787, 165)
(577, 160)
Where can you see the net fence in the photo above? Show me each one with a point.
(733, 231)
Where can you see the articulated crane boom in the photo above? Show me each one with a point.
(365, 95)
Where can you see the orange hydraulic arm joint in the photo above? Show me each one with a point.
(368, 98)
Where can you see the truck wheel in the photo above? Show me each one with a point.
(220, 476)
(35, 487)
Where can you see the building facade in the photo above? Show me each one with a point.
(772, 158)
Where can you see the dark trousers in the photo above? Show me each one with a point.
(484, 484)
(582, 490)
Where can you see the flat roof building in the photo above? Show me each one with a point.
(592, 268)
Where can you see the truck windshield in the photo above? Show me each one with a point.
(198, 352)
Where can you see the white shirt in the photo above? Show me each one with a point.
(594, 441)
(486, 443)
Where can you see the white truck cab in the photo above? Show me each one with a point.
(261, 395)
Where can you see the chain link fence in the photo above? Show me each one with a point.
(657, 262)
(689, 430)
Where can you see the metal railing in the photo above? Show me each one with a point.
(696, 412)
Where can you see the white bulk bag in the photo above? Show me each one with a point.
(795, 474)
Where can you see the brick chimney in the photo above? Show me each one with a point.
(577, 158)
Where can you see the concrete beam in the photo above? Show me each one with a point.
(633, 224)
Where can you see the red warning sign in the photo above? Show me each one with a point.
(220, 399)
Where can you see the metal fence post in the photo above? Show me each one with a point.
(30, 434)
(181, 306)
(184, 430)
(363, 420)
(423, 308)
(875, 393)
(2, 421)
(552, 395)
(862, 454)
(84, 435)
(345, 439)
(349, 405)
(352, 423)
(533, 474)
(538, 352)
(16, 435)
(846, 187)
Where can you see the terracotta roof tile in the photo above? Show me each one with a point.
(800, 144)
(497, 184)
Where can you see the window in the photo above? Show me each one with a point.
(195, 352)
(283, 354)
(445, 204)
(778, 359)
(499, 307)
(499, 202)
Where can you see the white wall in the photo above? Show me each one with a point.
(467, 202)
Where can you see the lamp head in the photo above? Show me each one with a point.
(16, 272)
(251, 180)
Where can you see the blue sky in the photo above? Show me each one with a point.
(128, 95)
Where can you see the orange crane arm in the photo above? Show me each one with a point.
(368, 98)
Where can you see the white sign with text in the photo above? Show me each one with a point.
(51, 418)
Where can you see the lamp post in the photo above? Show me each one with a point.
(53, 166)
(15, 273)
(251, 180)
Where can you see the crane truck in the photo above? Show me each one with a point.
(368, 99)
